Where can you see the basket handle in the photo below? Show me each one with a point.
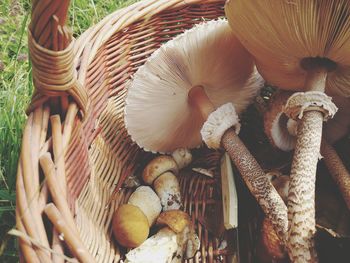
(51, 46)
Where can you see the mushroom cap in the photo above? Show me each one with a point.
(176, 220)
(280, 34)
(158, 166)
(130, 226)
(148, 201)
(158, 116)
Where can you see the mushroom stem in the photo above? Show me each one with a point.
(255, 178)
(199, 99)
(301, 197)
(337, 169)
(257, 182)
(316, 79)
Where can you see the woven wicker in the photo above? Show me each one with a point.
(76, 152)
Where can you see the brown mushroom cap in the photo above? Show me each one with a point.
(158, 115)
(130, 226)
(292, 31)
(158, 166)
(176, 220)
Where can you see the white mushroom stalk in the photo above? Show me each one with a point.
(172, 99)
(301, 46)
(159, 248)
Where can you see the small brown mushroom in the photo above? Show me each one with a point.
(158, 166)
(182, 157)
(148, 201)
(168, 189)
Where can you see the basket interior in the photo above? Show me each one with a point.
(102, 153)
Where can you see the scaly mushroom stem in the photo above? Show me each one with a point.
(253, 175)
(258, 183)
(337, 169)
(301, 197)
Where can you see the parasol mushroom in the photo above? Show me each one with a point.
(281, 132)
(176, 91)
(302, 46)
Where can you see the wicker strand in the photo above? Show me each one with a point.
(35, 243)
(51, 51)
(73, 241)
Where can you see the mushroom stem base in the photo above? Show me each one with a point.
(257, 182)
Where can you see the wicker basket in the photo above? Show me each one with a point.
(75, 150)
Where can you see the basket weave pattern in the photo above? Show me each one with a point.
(98, 153)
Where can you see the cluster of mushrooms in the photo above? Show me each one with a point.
(176, 239)
(194, 87)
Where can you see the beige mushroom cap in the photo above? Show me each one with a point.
(292, 31)
(148, 201)
(158, 166)
(158, 116)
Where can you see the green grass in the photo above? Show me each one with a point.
(16, 89)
